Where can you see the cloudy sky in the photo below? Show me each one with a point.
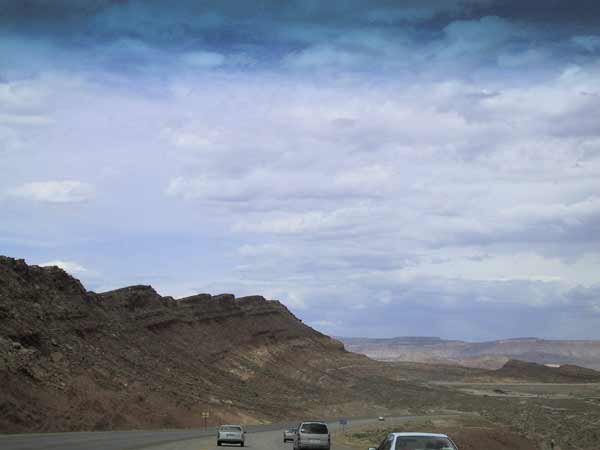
(384, 168)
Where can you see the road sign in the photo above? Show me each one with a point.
(343, 423)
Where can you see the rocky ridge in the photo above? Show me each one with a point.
(71, 359)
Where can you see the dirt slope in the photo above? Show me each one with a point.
(72, 359)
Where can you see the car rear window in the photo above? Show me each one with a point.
(314, 428)
(423, 442)
(230, 428)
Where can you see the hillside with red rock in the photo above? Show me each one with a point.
(71, 359)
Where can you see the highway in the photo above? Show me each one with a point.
(259, 437)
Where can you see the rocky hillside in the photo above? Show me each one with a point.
(487, 355)
(71, 359)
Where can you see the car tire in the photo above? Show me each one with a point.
(241, 444)
(218, 443)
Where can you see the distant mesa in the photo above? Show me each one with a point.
(485, 355)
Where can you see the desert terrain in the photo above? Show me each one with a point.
(75, 360)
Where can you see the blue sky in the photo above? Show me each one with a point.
(383, 168)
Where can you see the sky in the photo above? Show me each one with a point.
(383, 168)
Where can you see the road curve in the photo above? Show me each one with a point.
(259, 437)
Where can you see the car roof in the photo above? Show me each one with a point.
(421, 434)
(314, 421)
(231, 425)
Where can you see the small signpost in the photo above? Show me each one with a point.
(205, 416)
(343, 423)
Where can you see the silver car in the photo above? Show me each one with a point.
(231, 434)
(401, 441)
(313, 436)
(288, 435)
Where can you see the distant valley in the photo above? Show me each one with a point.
(484, 355)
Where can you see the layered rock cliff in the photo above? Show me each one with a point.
(71, 359)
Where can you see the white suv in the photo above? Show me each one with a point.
(313, 436)
(231, 434)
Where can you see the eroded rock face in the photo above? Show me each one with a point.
(72, 359)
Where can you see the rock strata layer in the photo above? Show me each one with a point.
(71, 359)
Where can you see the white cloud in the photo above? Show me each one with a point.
(559, 214)
(307, 222)
(297, 223)
(21, 119)
(264, 251)
(10, 141)
(22, 95)
(284, 184)
(55, 191)
(68, 266)
(460, 263)
(327, 324)
(417, 195)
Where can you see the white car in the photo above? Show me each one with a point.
(312, 436)
(231, 434)
(416, 441)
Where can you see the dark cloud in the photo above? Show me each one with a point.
(272, 29)
(576, 15)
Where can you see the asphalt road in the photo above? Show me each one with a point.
(261, 437)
